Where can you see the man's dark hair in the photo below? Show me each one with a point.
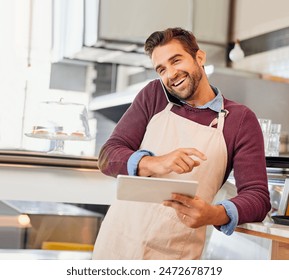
(160, 38)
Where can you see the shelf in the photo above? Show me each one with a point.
(20, 157)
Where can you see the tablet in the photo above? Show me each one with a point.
(150, 189)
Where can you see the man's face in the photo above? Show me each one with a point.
(180, 73)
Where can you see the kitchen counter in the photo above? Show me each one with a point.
(58, 178)
(251, 241)
(278, 234)
(266, 230)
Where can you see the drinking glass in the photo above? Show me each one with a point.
(274, 140)
(265, 127)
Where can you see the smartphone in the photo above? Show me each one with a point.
(170, 97)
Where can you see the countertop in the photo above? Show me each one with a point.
(57, 178)
(266, 229)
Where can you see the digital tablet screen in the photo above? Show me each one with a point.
(150, 189)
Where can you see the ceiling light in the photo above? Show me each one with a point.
(209, 69)
(236, 53)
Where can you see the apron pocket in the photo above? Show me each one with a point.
(167, 237)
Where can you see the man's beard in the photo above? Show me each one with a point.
(193, 84)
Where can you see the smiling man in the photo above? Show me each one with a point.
(180, 126)
(181, 73)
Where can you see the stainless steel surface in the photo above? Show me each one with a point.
(278, 185)
(32, 182)
(48, 208)
(24, 157)
(47, 222)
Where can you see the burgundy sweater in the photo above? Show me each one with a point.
(242, 135)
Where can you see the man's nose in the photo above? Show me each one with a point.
(171, 72)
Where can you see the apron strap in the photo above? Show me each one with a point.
(220, 119)
(169, 107)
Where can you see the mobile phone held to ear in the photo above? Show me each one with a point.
(170, 97)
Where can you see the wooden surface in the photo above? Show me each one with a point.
(276, 238)
(280, 240)
(280, 250)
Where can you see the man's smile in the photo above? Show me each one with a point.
(178, 82)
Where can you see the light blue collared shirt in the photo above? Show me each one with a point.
(214, 104)
(232, 212)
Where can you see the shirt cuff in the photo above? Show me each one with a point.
(134, 159)
(232, 213)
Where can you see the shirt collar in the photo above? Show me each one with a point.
(215, 104)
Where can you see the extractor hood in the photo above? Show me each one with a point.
(124, 25)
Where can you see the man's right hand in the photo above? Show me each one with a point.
(182, 160)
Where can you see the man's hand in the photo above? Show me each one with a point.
(195, 212)
(179, 161)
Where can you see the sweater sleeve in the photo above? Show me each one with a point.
(249, 167)
(129, 131)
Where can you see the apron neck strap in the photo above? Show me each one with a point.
(219, 121)
(169, 107)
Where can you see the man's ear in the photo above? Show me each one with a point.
(201, 57)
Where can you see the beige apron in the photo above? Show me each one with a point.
(137, 230)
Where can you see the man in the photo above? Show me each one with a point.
(179, 126)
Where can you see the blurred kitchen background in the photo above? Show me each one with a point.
(90, 52)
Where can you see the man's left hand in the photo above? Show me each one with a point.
(195, 212)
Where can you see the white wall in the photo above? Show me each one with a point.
(256, 17)
(131, 20)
